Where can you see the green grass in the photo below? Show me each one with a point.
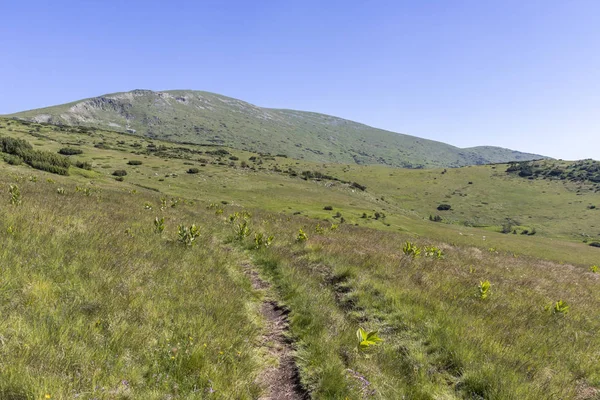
(202, 117)
(441, 340)
(556, 209)
(94, 303)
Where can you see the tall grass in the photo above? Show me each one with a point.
(94, 304)
(442, 340)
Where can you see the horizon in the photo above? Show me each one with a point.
(518, 76)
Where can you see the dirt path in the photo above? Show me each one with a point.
(282, 381)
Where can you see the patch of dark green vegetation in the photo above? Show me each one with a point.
(578, 171)
(69, 151)
(120, 172)
(43, 160)
(84, 165)
(319, 176)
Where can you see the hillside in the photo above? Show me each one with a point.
(140, 268)
(206, 118)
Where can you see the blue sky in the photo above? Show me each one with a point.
(518, 74)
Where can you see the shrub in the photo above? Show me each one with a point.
(134, 162)
(506, 227)
(119, 179)
(328, 208)
(193, 170)
(359, 186)
(435, 218)
(444, 207)
(68, 151)
(219, 152)
(12, 160)
(595, 244)
(14, 146)
(234, 158)
(119, 172)
(38, 159)
(83, 165)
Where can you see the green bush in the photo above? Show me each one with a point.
(38, 159)
(134, 162)
(119, 172)
(444, 207)
(14, 146)
(359, 186)
(68, 151)
(83, 165)
(12, 160)
(193, 170)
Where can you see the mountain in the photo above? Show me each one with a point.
(206, 118)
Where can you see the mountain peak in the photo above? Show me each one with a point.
(207, 118)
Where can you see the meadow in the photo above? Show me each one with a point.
(106, 292)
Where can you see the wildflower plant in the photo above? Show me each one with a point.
(411, 250)
(241, 230)
(302, 236)
(159, 225)
(560, 307)
(187, 235)
(15, 195)
(484, 289)
(262, 241)
(367, 339)
(432, 251)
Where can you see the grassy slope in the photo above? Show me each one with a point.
(92, 297)
(407, 197)
(201, 117)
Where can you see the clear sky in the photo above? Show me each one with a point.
(522, 74)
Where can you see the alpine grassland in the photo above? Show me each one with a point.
(157, 286)
(95, 304)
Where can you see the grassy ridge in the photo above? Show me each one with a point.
(202, 117)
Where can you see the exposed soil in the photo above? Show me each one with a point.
(282, 381)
